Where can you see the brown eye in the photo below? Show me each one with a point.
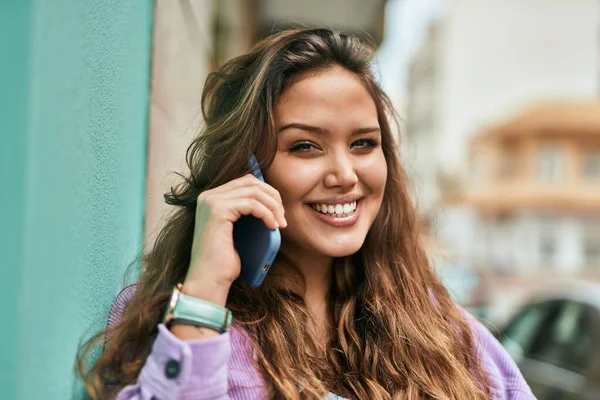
(302, 147)
(365, 143)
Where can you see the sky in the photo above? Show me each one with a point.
(406, 22)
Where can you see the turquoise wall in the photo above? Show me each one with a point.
(74, 82)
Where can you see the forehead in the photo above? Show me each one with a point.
(327, 97)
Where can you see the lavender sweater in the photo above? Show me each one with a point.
(222, 367)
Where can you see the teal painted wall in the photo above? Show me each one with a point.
(14, 57)
(74, 83)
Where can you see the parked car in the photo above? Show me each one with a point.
(555, 340)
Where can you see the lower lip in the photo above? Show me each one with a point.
(337, 221)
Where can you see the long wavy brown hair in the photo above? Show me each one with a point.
(396, 333)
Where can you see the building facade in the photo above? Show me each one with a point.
(530, 213)
(482, 62)
(535, 189)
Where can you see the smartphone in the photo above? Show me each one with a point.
(256, 244)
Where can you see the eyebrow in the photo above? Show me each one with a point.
(323, 131)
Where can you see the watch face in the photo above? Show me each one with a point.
(171, 306)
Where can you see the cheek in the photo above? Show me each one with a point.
(373, 173)
(293, 180)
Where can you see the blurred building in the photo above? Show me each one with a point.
(482, 62)
(484, 76)
(535, 192)
(191, 38)
(357, 17)
(530, 212)
(423, 119)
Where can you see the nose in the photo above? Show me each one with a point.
(342, 172)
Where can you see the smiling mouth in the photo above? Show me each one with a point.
(335, 210)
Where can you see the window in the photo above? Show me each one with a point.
(478, 170)
(591, 166)
(508, 165)
(550, 164)
(520, 334)
(566, 339)
(591, 245)
(547, 250)
(591, 253)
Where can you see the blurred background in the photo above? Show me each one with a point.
(500, 109)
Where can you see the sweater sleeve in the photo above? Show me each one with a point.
(177, 369)
(506, 381)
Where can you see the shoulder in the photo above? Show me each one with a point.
(119, 304)
(506, 381)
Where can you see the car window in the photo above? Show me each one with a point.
(520, 334)
(565, 337)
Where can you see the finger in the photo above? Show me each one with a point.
(274, 193)
(243, 181)
(250, 206)
(250, 180)
(258, 193)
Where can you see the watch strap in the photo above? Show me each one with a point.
(202, 313)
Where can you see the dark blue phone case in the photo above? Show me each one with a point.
(256, 244)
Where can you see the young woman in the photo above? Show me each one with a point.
(351, 307)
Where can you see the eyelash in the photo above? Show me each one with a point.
(297, 147)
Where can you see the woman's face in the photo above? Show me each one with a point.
(329, 168)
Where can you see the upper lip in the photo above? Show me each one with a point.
(346, 199)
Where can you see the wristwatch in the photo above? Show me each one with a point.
(184, 309)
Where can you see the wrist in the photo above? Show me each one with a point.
(189, 332)
(213, 292)
(190, 310)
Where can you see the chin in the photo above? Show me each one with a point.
(340, 250)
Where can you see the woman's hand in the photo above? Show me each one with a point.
(215, 263)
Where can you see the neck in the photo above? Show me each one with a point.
(311, 276)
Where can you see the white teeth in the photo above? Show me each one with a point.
(337, 209)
